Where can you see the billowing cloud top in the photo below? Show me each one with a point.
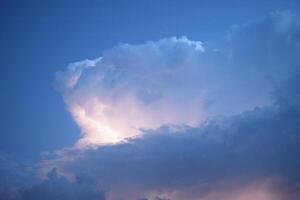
(195, 122)
(175, 81)
(135, 86)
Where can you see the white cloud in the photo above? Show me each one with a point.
(134, 87)
(172, 81)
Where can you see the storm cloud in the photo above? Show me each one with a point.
(226, 119)
(250, 155)
(178, 81)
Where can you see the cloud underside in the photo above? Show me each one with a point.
(174, 119)
(249, 156)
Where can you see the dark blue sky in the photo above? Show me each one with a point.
(39, 38)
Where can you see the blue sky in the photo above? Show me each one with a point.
(239, 59)
(40, 38)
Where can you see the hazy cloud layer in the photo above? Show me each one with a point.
(26, 187)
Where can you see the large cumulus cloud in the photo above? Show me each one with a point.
(179, 81)
(242, 96)
(135, 86)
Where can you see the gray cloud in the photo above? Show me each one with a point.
(59, 188)
(255, 146)
(16, 184)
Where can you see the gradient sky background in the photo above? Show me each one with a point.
(40, 38)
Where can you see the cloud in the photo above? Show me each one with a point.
(59, 188)
(178, 81)
(13, 175)
(135, 86)
(19, 182)
(254, 151)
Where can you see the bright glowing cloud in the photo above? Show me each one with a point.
(135, 87)
(173, 81)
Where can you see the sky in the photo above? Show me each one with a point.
(40, 38)
(150, 100)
